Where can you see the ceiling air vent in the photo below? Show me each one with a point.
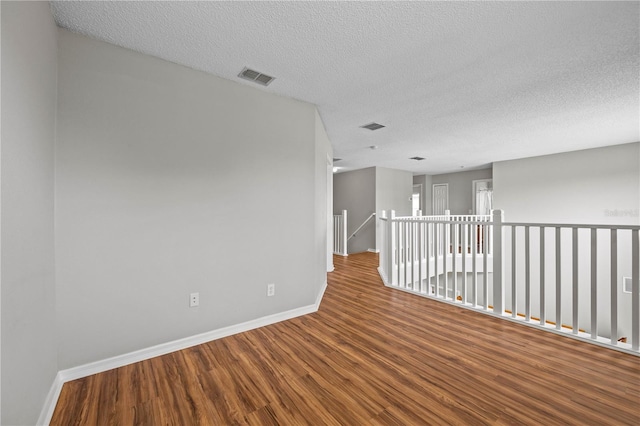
(417, 158)
(372, 126)
(335, 160)
(256, 77)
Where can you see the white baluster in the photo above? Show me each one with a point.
(498, 262)
(514, 286)
(614, 287)
(574, 253)
(558, 278)
(635, 291)
(594, 283)
(543, 317)
(527, 275)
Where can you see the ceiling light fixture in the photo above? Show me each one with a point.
(255, 76)
(372, 126)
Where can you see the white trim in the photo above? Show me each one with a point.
(320, 296)
(329, 195)
(51, 401)
(96, 367)
(373, 250)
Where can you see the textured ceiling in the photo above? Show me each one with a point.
(462, 84)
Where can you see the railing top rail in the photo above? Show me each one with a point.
(483, 219)
(570, 225)
(452, 216)
(515, 224)
(468, 220)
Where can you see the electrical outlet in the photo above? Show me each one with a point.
(194, 300)
(271, 290)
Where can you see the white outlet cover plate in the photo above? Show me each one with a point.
(194, 300)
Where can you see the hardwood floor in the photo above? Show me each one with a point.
(370, 356)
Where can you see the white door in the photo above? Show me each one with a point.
(440, 198)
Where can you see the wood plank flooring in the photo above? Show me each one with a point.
(370, 356)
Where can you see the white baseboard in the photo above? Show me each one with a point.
(373, 250)
(320, 296)
(51, 401)
(96, 367)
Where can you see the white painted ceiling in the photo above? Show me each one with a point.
(462, 84)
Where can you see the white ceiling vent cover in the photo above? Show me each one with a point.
(255, 76)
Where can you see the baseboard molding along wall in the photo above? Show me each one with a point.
(96, 367)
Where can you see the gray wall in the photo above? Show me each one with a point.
(575, 187)
(355, 191)
(157, 197)
(393, 192)
(362, 192)
(28, 336)
(461, 188)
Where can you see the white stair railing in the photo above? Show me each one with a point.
(577, 280)
(361, 225)
(340, 233)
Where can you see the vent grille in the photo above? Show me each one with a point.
(372, 126)
(255, 76)
(417, 158)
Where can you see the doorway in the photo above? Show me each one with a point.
(482, 196)
(416, 200)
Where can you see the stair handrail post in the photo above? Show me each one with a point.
(498, 262)
(391, 241)
(343, 238)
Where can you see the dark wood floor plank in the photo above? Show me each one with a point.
(370, 355)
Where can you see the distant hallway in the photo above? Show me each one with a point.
(370, 356)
